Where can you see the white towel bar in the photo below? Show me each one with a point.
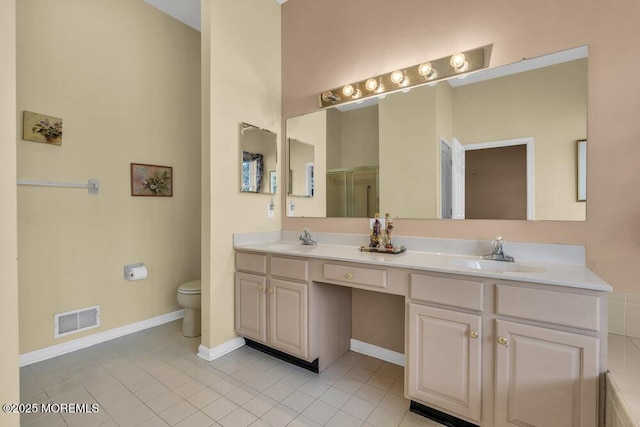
(93, 184)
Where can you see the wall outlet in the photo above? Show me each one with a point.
(271, 209)
(291, 209)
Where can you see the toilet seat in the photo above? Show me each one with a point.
(190, 288)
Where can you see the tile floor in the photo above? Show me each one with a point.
(153, 378)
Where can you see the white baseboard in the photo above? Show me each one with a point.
(88, 341)
(377, 352)
(210, 354)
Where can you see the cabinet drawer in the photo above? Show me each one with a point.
(448, 291)
(251, 262)
(355, 275)
(288, 268)
(560, 308)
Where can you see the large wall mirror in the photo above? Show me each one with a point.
(498, 144)
(258, 164)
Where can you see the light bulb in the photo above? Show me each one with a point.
(380, 88)
(397, 76)
(425, 69)
(348, 90)
(357, 94)
(371, 85)
(328, 96)
(457, 61)
(404, 82)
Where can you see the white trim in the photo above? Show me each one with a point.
(210, 354)
(528, 141)
(377, 352)
(88, 341)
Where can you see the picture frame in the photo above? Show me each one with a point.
(582, 169)
(273, 184)
(151, 180)
(38, 127)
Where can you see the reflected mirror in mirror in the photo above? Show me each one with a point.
(300, 168)
(498, 144)
(258, 154)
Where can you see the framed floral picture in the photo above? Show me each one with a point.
(40, 128)
(151, 180)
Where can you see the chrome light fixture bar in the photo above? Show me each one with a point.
(428, 72)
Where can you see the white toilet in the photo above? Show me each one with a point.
(189, 298)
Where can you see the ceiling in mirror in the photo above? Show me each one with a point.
(499, 144)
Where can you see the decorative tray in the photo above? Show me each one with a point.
(394, 250)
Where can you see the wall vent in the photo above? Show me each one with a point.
(76, 321)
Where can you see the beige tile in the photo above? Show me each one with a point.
(370, 363)
(120, 406)
(279, 371)
(335, 397)
(633, 319)
(302, 421)
(175, 381)
(420, 420)
(328, 377)
(398, 388)
(359, 408)
(279, 391)
(618, 296)
(74, 396)
(101, 385)
(163, 402)
(219, 408)
(238, 418)
(409, 422)
(60, 389)
(203, 398)
(135, 416)
(246, 374)
(370, 394)
(352, 358)
(279, 416)
(381, 381)
(342, 419)
(152, 391)
(111, 395)
(198, 419)
(395, 404)
(259, 423)
(359, 373)
(616, 317)
(380, 417)
(320, 412)
(178, 412)
(348, 385)
(391, 370)
(189, 388)
(264, 364)
(314, 388)
(296, 379)
(261, 382)
(298, 401)
(339, 367)
(138, 381)
(260, 405)
(55, 380)
(155, 421)
(241, 395)
(226, 385)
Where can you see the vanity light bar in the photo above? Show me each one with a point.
(428, 72)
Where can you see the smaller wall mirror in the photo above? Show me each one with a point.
(258, 160)
(300, 168)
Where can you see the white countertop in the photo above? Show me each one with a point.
(569, 275)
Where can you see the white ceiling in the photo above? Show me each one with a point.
(185, 11)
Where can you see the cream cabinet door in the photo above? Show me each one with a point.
(288, 317)
(251, 306)
(444, 366)
(545, 377)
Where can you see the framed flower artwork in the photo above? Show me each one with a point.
(151, 180)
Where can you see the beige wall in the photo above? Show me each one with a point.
(9, 392)
(240, 83)
(359, 137)
(124, 77)
(409, 154)
(517, 30)
(312, 129)
(548, 104)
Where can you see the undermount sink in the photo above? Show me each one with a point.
(495, 266)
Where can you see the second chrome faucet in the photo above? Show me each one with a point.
(497, 252)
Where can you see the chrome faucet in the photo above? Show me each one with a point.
(306, 238)
(497, 253)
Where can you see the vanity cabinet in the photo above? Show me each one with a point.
(504, 353)
(545, 377)
(278, 306)
(444, 366)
